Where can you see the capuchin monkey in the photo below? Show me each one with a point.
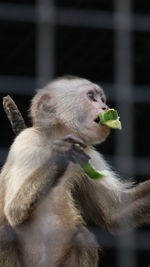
(46, 199)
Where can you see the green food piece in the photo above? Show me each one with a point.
(90, 170)
(110, 114)
(114, 124)
(110, 118)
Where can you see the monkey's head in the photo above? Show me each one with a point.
(72, 105)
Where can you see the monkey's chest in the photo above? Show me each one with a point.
(44, 237)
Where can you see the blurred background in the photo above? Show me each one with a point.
(107, 42)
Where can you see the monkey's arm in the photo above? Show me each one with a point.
(110, 204)
(34, 168)
(21, 201)
(117, 211)
(30, 176)
(36, 185)
(134, 206)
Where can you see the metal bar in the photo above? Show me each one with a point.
(15, 12)
(84, 18)
(124, 98)
(3, 155)
(45, 41)
(142, 166)
(73, 17)
(124, 88)
(26, 85)
(17, 85)
(109, 241)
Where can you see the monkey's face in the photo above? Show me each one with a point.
(79, 110)
(91, 129)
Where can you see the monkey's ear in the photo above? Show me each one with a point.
(43, 111)
(43, 102)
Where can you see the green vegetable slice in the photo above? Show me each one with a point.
(110, 118)
(114, 124)
(110, 114)
(90, 170)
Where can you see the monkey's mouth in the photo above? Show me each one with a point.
(97, 120)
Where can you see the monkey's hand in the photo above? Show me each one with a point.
(66, 150)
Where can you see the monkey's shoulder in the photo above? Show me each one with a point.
(28, 137)
(29, 143)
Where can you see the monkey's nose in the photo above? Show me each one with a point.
(104, 107)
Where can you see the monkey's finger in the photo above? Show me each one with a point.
(80, 151)
(81, 156)
(61, 145)
(75, 140)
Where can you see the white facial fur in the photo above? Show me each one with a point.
(72, 109)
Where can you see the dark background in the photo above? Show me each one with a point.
(88, 52)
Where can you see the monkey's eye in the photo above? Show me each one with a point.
(103, 99)
(91, 95)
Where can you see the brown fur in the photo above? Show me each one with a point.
(9, 248)
(45, 197)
